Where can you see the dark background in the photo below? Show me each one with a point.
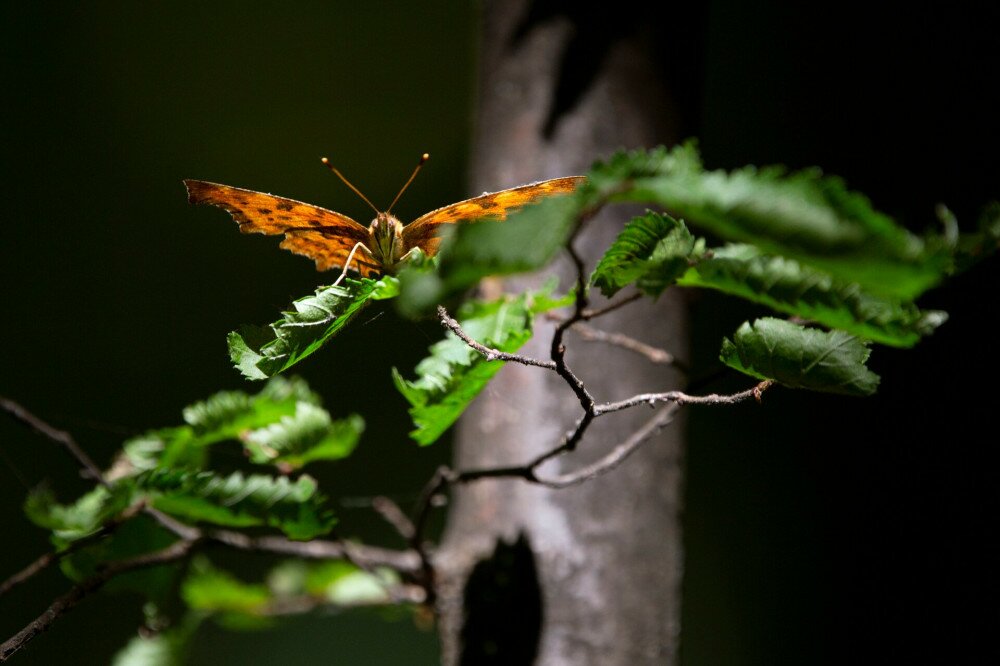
(817, 529)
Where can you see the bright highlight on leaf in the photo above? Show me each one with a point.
(262, 352)
(800, 357)
(454, 374)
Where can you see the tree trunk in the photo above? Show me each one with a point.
(590, 574)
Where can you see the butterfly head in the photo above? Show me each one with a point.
(385, 234)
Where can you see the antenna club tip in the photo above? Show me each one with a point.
(425, 157)
(324, 160)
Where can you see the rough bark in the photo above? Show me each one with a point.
(607, 554)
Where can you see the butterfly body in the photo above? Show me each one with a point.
(387, 247)
(334, 240)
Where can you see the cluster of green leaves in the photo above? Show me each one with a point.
(292, 586)
(282, 427)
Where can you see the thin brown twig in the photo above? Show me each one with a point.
(681, 398)
(488, 353)
(172, 553)
(48, 559)
(393, 515)
(616, 456)
(19, 413)
(405, 562)
(588, 314)
(592, 334)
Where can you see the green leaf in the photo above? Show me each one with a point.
(260, 353)
(795, 289)
(286, 408)
(138, 536)
(335, 581)
(296, 508)
(208, 588)
(454, 374)
(310, 434)
(228, 413)
(165, 448)
(653, 251)
(801, 357)
(69, 522)
(802, 215)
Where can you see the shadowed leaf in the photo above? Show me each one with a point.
(809, 293)
(800, 357)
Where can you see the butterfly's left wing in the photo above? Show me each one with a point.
(320, 234)
(422, 232)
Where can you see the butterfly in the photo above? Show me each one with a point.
(334, 240)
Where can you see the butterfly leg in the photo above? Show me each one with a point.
(347, 264)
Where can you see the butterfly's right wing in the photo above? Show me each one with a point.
(320, 234)
(423, 232)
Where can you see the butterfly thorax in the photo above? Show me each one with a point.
(385, 235)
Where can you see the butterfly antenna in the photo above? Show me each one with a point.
(332, 168)
(423, 158)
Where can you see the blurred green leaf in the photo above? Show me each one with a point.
(294, 507)
(168, 647)
(69, 522)
(801, 357)
(208, 588)
(136, 537)
(795, 289)
(260, 353)
(282, 424)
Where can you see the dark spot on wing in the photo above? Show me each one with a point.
(486, 205)
(285, 206)
(284, 217)
(264, 211)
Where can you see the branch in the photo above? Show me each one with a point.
(172, 553)
(588, 314)
(654, 354)
(393, 515)
(19, 413)
(681, 398)
(488, 353)
(617, 455)
(406, 562)
(48, 559)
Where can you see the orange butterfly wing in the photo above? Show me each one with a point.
(422, 232)
(320, 234)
